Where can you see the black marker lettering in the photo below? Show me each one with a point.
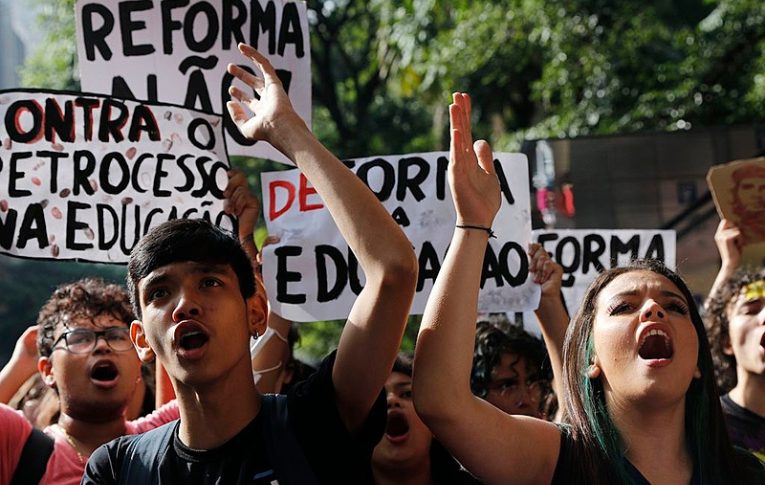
(96, 39)
(284, 277)
(128, 26)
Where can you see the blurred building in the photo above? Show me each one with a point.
(645, 181)
(12, 48)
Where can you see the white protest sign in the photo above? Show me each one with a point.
(85, 176)
(311, 274)
(585, 253)
(177, 52)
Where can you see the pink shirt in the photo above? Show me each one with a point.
(64, 467)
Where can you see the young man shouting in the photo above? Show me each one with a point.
(192, 286)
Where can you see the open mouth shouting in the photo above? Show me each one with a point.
(397, 427)
(655, 346)
(104, 374)
(190, 340)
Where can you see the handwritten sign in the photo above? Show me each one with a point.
(177, 52)
(585, 253)
(85, 176)
(312, 275)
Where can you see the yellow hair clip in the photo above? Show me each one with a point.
(755, 289)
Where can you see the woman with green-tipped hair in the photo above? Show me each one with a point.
(639, 392)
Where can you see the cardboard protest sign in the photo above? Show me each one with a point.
(177, 52)
(311, 274)
(738, 189)
(84, 176)
(585, 253)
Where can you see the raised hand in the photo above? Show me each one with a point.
(25, 351)
(271, 110)
(729, 242)
(472, 179)
(546, 272)
(22, 366)
(241, 202)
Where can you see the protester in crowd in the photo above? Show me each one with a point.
(36, 401)
(511, 368)
(735, 313)
(190, 283)
(407, 454)
(274, 365)
(85, 356)
(638, 379)
(78, 379)
(296, 370)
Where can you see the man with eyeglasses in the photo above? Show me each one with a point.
(87, 357)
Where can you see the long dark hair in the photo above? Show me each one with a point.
(597, 440)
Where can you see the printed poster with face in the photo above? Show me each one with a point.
(84, 176)
(738, 189)
(311, 274)
(177, 52)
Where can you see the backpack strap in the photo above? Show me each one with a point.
(284, 451)
(144, 453)
(34, 459)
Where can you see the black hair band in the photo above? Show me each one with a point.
(487, 229)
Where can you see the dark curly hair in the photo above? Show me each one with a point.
(86, 298)
(717, 324)
(495, 336)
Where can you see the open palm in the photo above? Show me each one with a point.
(274, 103)
(472, 178)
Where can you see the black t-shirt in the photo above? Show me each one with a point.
(568, 468)
(334, 455)
(746, 428)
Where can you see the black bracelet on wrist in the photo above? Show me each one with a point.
(487, 229)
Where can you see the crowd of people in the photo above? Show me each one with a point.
(627, 391)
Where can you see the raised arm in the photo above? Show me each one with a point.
(551, 314)
(268, 359)
(22, 366)
(375, 326)
(729, 243)
(496, 447)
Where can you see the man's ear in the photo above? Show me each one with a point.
(45, 366)
(727, 348)
(257, 309)
(141, 343)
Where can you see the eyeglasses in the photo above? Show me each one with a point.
(83, 341)
(517, 391)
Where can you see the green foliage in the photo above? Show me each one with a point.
(54, 64)
(317, 339)
(579, 67)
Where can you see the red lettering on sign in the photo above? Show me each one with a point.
(273, 213)
(305, 191)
